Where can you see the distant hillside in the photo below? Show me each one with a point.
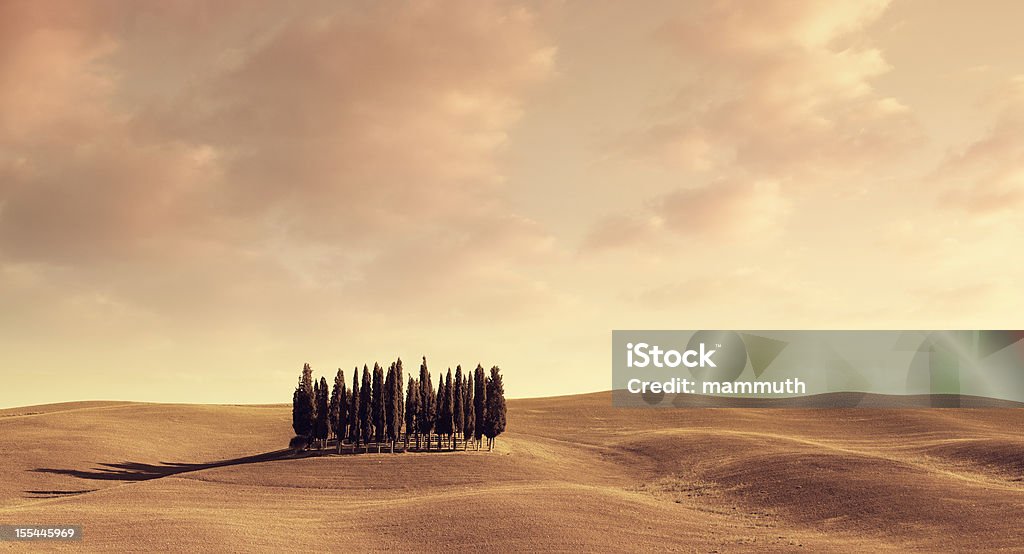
(571, 473)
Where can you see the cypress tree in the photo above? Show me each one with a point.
(334, 409)
(457, 408)
(449, 408)
(392, 417)
(389, 398)
(307, 378)
(439, 412)
(479, 403)
(412, 407)
(354, 434)
(313, 426)
(378, 405)
(297, 415)
(495, 419)
(365, 406)
(343, 410)
(425, 416)
(399, 399)
(468, 421)
(323, 413)
(309, 394)
(303, 404)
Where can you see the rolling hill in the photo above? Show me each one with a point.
(571, 473)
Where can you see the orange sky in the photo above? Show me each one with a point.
(198, 197)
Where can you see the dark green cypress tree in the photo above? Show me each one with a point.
(334, 410)
(457, 404)
(396, 406)
(365, 409)
(447, 408)
(315, 429)
(439, 401)
(479, 403)
(412, 407)
(392, 417)
(425, 417)
(468, 421)
(354, 433)
(307, 378)
(378, 405)
(297, 416)
(304, 405)
(494, 422)
(343, 411)
(400, 398)
(323, 413)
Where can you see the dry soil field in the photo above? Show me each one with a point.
(572, 473)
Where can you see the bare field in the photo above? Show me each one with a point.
(572, 473)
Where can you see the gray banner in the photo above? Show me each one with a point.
(660, 368)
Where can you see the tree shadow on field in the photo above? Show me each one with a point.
(138, 471)
(56, 493)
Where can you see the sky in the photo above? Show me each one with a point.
(196, 198)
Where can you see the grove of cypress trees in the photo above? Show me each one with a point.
(378, 405)
(375, 409)
(323, 413)
(425, 416)
(479, 403)
(354, 434)
(468, 421)
(457, 408)
(494, 422)
(412, 407)
(365, 406)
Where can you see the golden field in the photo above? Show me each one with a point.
(571, 473)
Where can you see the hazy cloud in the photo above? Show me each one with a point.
(310, 150)
(780, 100)
(781, 88)
(727, 210)
(211, 191)
(987, 176)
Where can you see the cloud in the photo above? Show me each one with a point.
(51, 75)
(731, 210)
(784, 88)
(346, 150)
(723, 207)
(620, 231)
(779, 100)
(986, 178)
